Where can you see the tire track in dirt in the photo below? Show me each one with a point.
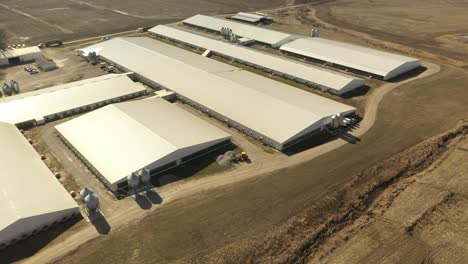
(52, 26)
(112, 10)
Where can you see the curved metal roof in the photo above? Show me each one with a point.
(273, 109)
(37, 104)
(374, 61)
(271, 37)
(28, 188)
(337, 82)
(123, 138)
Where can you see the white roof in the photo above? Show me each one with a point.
(123, 138)
(276, 110)
(28, 188)
(332, 80)
(364, 59)
(11, 53)
(268, 36)
(248, 17)
(37, 104)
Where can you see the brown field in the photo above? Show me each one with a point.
(33, 21)
(350, 204)
(433, 25)
(420, 219)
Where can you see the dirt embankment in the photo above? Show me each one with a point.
(344, 212)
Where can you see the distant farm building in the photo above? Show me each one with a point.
(45, 64)
(366, 61)
(310, 75)
(37, 107)
(19, 55)
(31, 198)
(251, 18)
(266, 36)
(146, 136)
(269, 111)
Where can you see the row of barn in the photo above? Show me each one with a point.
(150, 134)
(269, 111)
(310, 75)
(119, 139)
(369, 62)
(31, 198)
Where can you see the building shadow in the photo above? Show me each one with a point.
(360, 91)
(349, 138)
(142, 201)
(408, 75)
(100, 223)
(166, 178)
(312, 142)
(189, 168)
(324, 137)
(30, 246)
(154, 197)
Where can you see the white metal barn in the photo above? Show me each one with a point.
(13, 56)
(381, 64)
(40, 106)
(269, 111)
(31, 198)
(249, 17)
(317, 77)
(153, 134)
(267, 36)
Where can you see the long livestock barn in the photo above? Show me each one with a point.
(145, 136)
(266, 36)
(250, 18)
(366, 61)
(31, 198)
(37, 107)
(322, 79)
(272, 112)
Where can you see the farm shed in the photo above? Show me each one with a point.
(19, 55)
(45, 64)
(267, 36)
(307, 74)
(362, 60)
(37, 107)
(272, 112)
(150, 134)
(250, 18)
(31, 198)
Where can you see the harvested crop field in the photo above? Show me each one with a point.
(435, 26)
(32, 21)
(419, 217)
